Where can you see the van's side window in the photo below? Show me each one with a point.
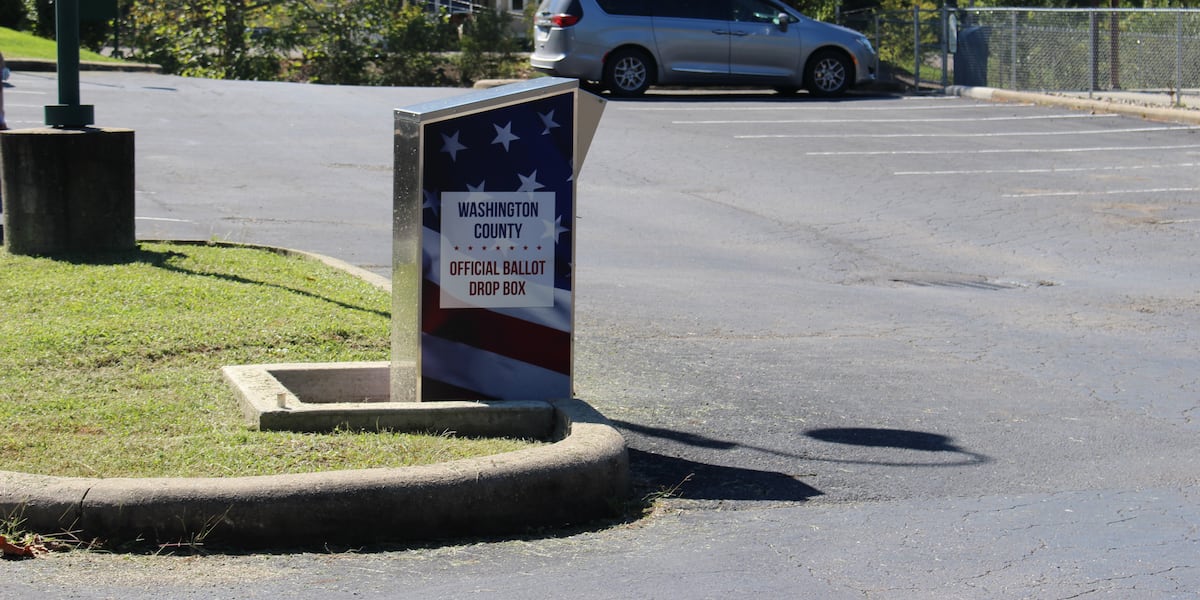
(716, 10)
(754, 11)
(640, 8)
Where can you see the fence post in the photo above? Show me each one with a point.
(1012, 82)
(1092, 50)
(945, 45)
(917, 47)
(1114, 48)
(1178, 59)
(878, 41)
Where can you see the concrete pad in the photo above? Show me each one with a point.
(328, 396)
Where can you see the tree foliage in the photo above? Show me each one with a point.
(368, 42)
(823, 10)
(359, 42)
(487, 43)
(200, 38)
(13, 14)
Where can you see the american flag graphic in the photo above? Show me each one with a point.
(493, 346)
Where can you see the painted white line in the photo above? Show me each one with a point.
(19, 92)
(935, 120)
(1101, 193)
(1001, 151)
(163, 219)
(1050, 170)
(958, 135)
(796, 107)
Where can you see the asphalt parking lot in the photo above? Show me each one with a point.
(885, 347)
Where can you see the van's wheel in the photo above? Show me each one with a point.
(627, 73)
(829, 74)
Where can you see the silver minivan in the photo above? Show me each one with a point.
(629, 45)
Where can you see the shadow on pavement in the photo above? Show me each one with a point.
(885, 438)
(682, 437)
(679, 477)
(900, 439)
(656, 473)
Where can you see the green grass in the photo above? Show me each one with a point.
(16, 44)
(111, 367)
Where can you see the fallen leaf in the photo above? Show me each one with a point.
(20, 551)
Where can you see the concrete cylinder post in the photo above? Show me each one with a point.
(67, 190)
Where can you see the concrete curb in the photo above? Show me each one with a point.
(44, 65)
(1153, 113)
(581, 476)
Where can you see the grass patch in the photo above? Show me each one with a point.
(17, 44)
(109, 367)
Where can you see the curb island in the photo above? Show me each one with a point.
(583, 475)
(579, 478)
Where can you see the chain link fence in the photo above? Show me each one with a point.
(1077, 50)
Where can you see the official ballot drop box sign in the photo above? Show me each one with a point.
(484, 242)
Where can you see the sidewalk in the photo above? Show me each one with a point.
(1152, 106)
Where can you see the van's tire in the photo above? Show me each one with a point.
(628, 73)
(829, 73)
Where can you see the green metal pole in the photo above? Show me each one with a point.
(68, 113)
(66, 23)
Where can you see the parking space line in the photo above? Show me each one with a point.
(1000, 151)
(1099, 193)
(1050, 170)
(163, 219)
(957, 135)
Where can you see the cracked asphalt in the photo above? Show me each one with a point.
(885, 347)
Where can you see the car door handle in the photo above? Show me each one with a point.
(721, 31)
(739, 33)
